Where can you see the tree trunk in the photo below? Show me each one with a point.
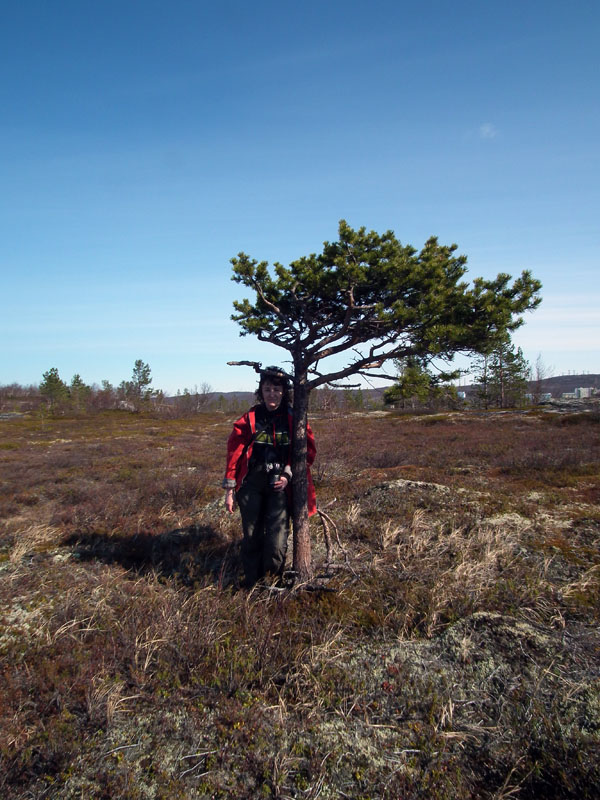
(486, 388)
(302, 549)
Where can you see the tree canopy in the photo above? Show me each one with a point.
(138, 390)
(53, 389)
(503, 375)
(418, 385)
(371, 297)
(369, 289)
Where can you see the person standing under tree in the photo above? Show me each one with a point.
(259, 476)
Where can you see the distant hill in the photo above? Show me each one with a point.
(568, 383)
(556, 385)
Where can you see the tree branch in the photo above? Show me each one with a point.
(345, 326)
(382, 375)
(361, 365)
(289, 324)
(357, 338)
(257, 367)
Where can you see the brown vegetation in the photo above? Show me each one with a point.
(451, 651)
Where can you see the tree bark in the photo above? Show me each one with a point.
(302, 558)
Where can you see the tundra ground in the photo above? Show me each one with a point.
(449, 647)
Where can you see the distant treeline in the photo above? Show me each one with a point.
(56, 396)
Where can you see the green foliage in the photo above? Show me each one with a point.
(137, 391)
(53, 389)
(60, 397)
(418, 386)
(503, 376)
(372, 297)
(79, 393)
(369, 288)
(414, 383)
(141, 379)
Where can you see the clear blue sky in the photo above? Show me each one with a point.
(143, 143)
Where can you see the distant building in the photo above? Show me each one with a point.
(569, 396)
(583, 392)
(543, 398)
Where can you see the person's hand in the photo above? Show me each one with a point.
(280, 484)
(229, 500)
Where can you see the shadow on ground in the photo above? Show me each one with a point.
(190, 556)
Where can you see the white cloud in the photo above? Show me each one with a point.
(488, 131)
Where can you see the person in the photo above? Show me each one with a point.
(259, 476)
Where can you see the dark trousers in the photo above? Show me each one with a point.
(265, 522)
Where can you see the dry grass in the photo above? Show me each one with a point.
(451, 651)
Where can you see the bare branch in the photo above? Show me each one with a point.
(381, 375)
(254, 364)
(257, 367)
(346, 325)
(316, 372)
(353, 335)
(372, 360)
(289, 324)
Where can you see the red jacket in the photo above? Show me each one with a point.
(239, 451)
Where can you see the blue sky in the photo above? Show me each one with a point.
(145, 143)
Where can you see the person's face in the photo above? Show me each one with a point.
(272, 395)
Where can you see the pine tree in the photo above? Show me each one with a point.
(374, 299)
(137, 391)
(141, 380)
(503, 375)
(417, 386)
(54, 390)
(414, 384)
(79, 393)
